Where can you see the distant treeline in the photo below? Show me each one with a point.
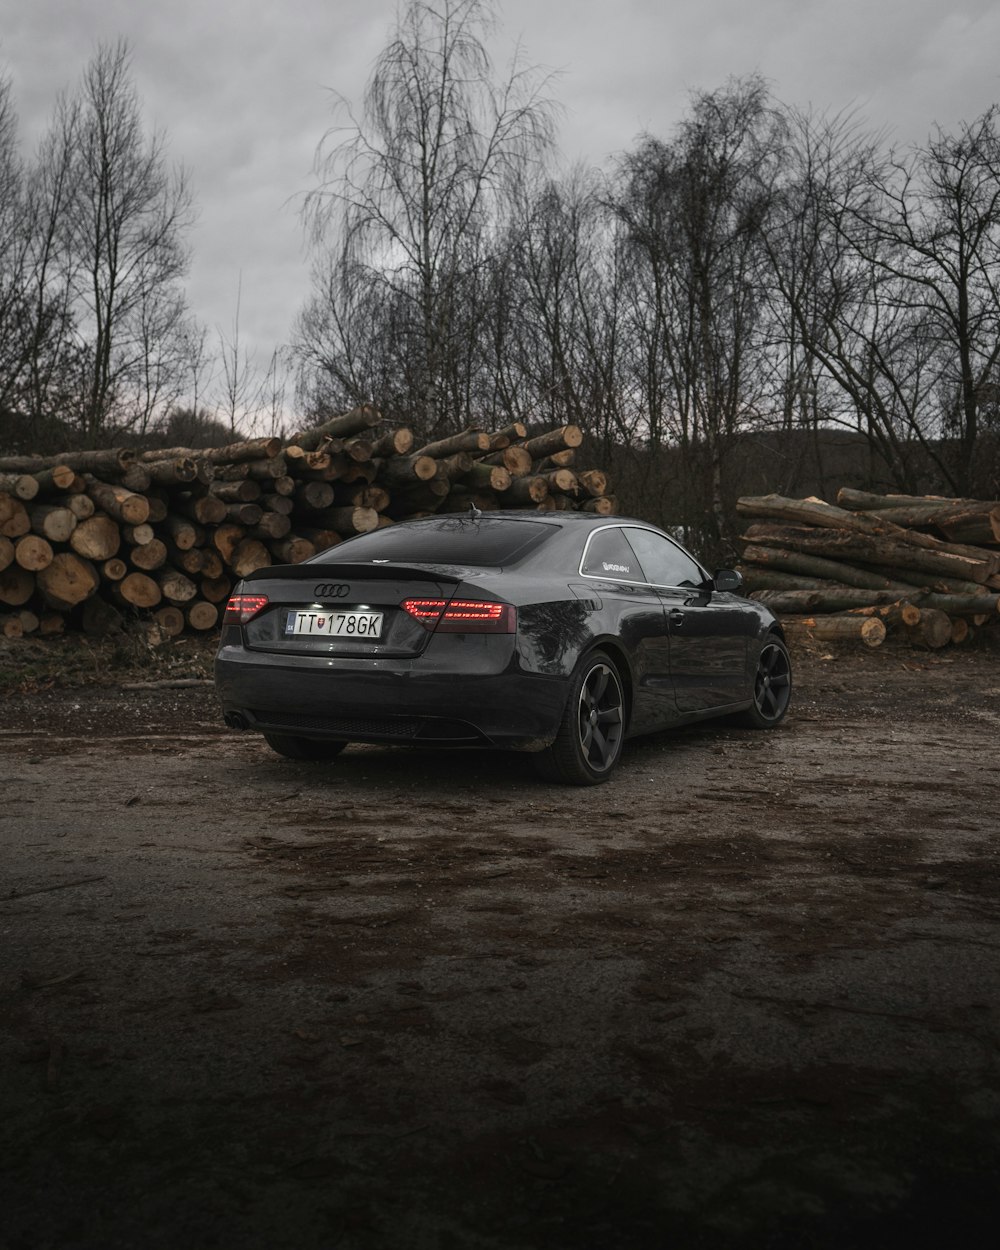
(759, 271)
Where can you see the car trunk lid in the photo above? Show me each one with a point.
(345, 609)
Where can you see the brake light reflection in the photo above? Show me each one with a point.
(466, 616)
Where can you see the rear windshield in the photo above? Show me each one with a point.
(445, 540)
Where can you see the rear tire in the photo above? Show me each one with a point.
(293, 748)
(592, 732)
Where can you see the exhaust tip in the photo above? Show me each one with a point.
(235, 720)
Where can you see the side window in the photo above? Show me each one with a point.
(665, 563)
(609, 555)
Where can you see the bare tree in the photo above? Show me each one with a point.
(939, 220)
(413, 190)
(123, 221)
(693, 210)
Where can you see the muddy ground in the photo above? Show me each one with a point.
(745, 995)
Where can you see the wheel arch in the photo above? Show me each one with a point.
(613, 649)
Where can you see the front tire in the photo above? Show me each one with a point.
(772, 687)
(293, 748)
(592, 732)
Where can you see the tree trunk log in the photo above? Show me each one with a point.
(14, 518)
(866, 501)
(960, 630)
(67, 581)
(174, 585)
(351, 520)
(117, 460)
(150, 556)
(271, 525)
(358, 450)
(6, 552)
(394, 443)
(54, 523)
(605, 506)
(96, 538)
(206, 509)
(136, 535)
(893, 615)
(847, 628)
(554, 441)
(32, 553)
(265, 471)
(211, 562)
(932, 631)
(171, 472)
(354, 422)
(594, 482)
(118, 502)
(825, 516)
(59, 478)
(314, 496)
(514, 433)
(491, 477)
(191, 561)
(182, 532)
(245, 491)
(869, 549)
(251, 554)
(558, 460)
(475, 441)
(292, 550)
(516, 460)
(22, 486)
(226, 539)
(524, 491)
(278, 503)
(244, 513)
(138, 590)
(561, 482)
(202, 615)
(406, 471)
(234, 453)
(215, 589)
(773, 559)
(170, 619)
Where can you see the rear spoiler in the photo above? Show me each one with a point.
(323, 572)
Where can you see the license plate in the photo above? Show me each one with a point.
(335, 624)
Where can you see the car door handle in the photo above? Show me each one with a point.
(676, 616)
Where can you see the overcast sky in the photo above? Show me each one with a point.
(242, 89)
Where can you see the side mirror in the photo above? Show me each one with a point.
(728, 581)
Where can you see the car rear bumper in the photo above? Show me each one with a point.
(382, 701)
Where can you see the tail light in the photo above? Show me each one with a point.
(241, 608)
(462, 616)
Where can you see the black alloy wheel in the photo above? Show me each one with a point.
(772, 686)
(592, 732)
(293, 748)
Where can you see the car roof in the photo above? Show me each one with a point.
(524, 514)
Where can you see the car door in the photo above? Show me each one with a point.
(708, 630)
(614, 575)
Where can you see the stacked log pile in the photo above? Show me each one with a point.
(926, 567)
(89, 537)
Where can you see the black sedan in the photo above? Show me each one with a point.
(559, 633)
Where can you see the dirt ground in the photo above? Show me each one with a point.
(745, 995)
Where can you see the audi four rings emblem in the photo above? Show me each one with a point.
(332, 590)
